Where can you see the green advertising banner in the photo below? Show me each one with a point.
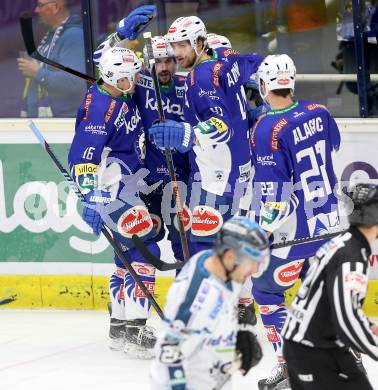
(40, 216)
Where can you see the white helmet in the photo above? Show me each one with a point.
(187, 28)
(278, 72)
(161, 49)
(215, 41)
(117, 63)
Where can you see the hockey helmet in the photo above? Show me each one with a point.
(117, 63)
(187, 28)
(246, 239)
(365, 200)
(216, 41)
(278, 72)
(161, 49)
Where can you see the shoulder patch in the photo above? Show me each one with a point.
(276, 129)
(314, 106)
(215, 73)
(229, 52)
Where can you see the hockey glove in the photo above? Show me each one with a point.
(96, 202)
(136, 22)
(171, 134)
(249, 348)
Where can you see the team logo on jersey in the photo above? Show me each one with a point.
(144, 269)
(277, 128)
(136, 220)
(186, 218)
(156, 222)
(206, 221)
(138, 293)
(215, 73)
(288, 273)
(273, 336)
(314, 106)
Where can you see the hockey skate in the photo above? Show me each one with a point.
(279, 380)
(247, 314)
(117, 334)
(140, 339)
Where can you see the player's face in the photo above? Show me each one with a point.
(125, 84)
(243, 271)
(184, 53)
(165, 68)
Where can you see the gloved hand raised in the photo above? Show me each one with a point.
(135, 22)
(171, 134)
(96, 202)
(249, 348)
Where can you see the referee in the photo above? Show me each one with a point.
(326, 317)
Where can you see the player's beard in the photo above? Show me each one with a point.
(165, 77)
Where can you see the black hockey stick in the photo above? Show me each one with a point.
(167, 152)
(26, 23)
(105, 230)
(305, 240)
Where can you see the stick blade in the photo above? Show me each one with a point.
(147, 35)
(26, 23)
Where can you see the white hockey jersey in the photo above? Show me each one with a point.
(196, 345)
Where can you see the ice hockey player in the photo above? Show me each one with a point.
(215, 131)
(326, 317)
(293, 191)
(109, 132)
(197, 344)
(215, 41)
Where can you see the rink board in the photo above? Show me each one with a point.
(41, 230)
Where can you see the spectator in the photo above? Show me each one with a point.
(50, 92)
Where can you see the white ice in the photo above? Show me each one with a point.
(68, 350)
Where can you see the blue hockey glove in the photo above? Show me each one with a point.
(255, 113)
(96, 201)
(171, 134)
(135, 22)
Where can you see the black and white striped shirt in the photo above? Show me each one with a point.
(327, 311)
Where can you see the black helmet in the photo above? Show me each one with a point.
(365, 199)
(246, 239)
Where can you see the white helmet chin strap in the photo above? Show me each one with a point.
(125, 91)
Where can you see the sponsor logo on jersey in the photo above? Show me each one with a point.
(314, 106)
(144, 269)
(95, 129)
(277, 128)
(138, 293)
(146, 81)
(88, 181)
(134, 121)
(265, 309)
(81, 169)
(229, 52)
(298, 114)
(210, 94)
(245, 172)
(168, 107)
(288, 273)
(120, 272)
(156, 222)
(215, 74)
(88, 101)
(273, 336)
(136, 220)
(110, 111)
(186, 217)
(180, 92)
(191, 78)
(218, 124)
(122, 292)
(206, 221)
(266, 160)
(355, 282)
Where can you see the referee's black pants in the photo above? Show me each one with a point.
(323, 369)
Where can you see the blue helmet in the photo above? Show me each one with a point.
(246, 239)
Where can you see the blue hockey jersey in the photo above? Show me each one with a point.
(172, 99)
(294, 182)
(215, 99)
(108, 127)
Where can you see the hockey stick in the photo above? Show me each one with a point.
(26, 23)
(105, 230)
(167, 152)
(236, 364)
(305, 240)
